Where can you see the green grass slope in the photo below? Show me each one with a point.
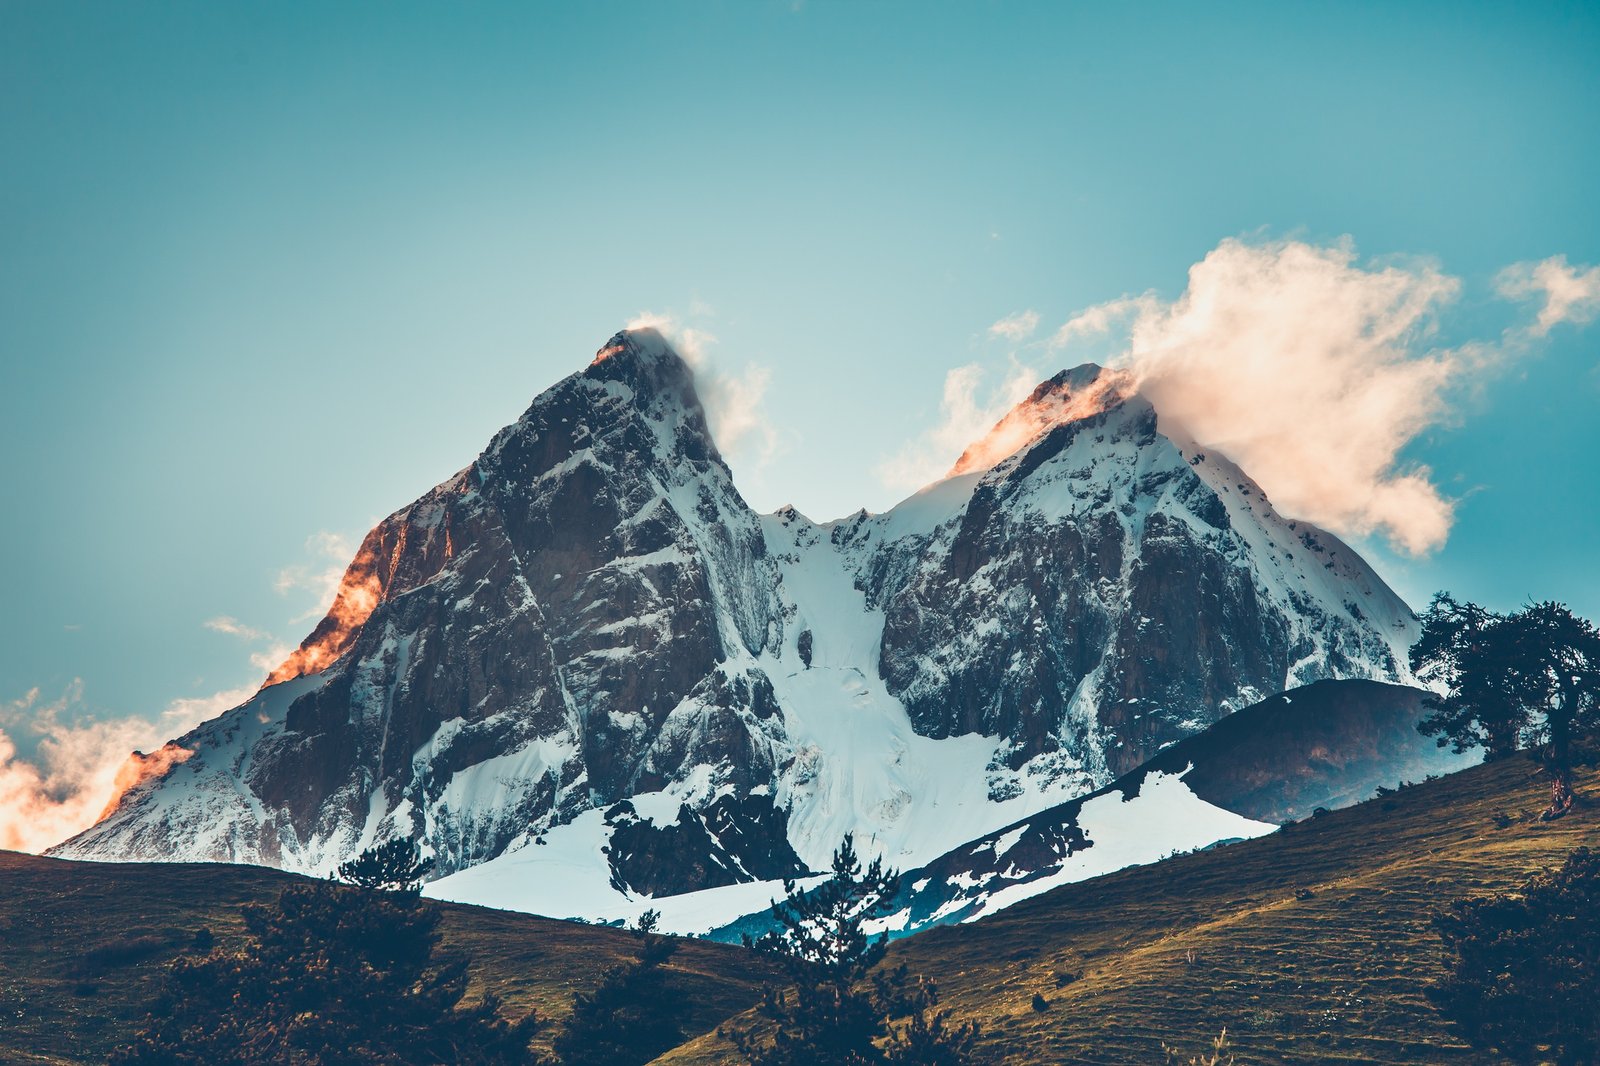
(83, 947)
(1311, 945)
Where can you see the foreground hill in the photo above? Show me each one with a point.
(83, 947)
(1313, 944)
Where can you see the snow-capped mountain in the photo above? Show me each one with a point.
(590, 680)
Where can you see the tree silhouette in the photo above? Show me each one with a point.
(1526, 679)
(631, 1017)
(328, 975)
(1468, 650)
(394, 866)
(1523, 971)
(839, 1010)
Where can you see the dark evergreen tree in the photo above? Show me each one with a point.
(841, 1008)
(1561, 663)
(1523, 969)
(1468, 651)
(394, 866)
(1526, 679)
(328, 975)
(632, 1017)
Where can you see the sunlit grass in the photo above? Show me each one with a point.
(83, 947)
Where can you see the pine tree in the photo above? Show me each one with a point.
(840, 1008)
(1523, 972)
(631, 1018)
(393, 866)
(327, 975)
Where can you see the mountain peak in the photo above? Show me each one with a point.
(644, 343)
(1078, 393)
(646, 362)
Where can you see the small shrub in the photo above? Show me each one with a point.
(1502, 820)
(1522, 974)
(1065, 978)
(118, 953)
(1040, 1004)
(1304, 894)
(1218, 1056)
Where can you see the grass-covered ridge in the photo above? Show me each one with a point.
(83, 947)
(1313, 944)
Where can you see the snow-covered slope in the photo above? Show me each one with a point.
(1327, 745)
(590, 680)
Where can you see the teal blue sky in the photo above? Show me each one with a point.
(271, 271)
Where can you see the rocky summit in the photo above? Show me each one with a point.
(590, 680)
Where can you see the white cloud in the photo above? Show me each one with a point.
(233, 627)
(1100, 318)
(78, 763)
(1569, 294)
(330, 556)
(1016, 327)
(972, 402)
(1312, 372)
(734, 403)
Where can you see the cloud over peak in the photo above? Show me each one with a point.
(1313, 372)
(1309, 367)
(735, 404)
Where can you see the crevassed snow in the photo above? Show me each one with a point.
(860, 766)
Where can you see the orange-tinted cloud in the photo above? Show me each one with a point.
(78, 767)
(1310, 370)
(1048, 405)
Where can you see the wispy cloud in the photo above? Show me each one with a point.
(329, 555)
(1016, 327)
(233, 627)
(1565, 293)
(1102, 318)
(735, 403)
(973, 400)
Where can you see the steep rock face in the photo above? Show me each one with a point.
(542, 633)
(587, 678)
(1118, 574)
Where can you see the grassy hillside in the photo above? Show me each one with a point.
(83, 946)
(1311, 945)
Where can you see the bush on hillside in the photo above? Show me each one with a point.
(1523, 970)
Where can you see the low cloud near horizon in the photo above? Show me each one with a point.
(60, 759)
(61, 786)
(1306, 366)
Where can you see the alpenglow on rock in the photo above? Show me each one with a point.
(591, 681)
